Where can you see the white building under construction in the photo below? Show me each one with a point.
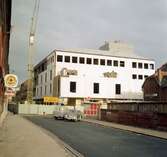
(112, 72)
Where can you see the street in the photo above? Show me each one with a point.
(97, 141)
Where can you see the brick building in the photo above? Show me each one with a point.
(5, 18)
(155, 86)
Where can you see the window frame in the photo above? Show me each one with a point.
(118, 89)
(67, 59)
(73, 86)
(96, 88)
(74, 59)
(58, 58)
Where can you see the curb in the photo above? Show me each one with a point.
(71, 152)
(126, 129)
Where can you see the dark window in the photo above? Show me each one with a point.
(140, 77)
(41, 79)
(45, 89)
(134, 76)
(140, 65)
(73, 87)
(45, 77)
(82, 60)
(115, 63)
(109, 62)
(67, 59)
(74, 60)
(145, 76)
(89, 61)
(145, 66)
(59, 58)
(102, 61)
(134, 65)
(122, 64)
(95, 61)
(41, 91)
(117, 89)
(50, 88)
(96, 88)
(151, 66)
(50, 74)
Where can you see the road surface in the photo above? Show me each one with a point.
(97, 141)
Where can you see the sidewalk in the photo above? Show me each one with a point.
(149, 132)
(21, 138)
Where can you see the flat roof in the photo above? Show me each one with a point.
(119, 54)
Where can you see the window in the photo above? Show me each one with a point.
(117, 89)
(102, 61)
(67, 59)
(96, 88)
(140, 77)
(41, 79)
(73, 87)
(95, 61)
(45, 89)
(145, 76)
(134, 65)
(41, 91)
(82, 60)
(50, 88)
(89, 61)
(145, 66)
(122, 64)
(50, 74)
(134, 76)
(37, 92)
(109, 62)
(74, 59)
(59, 58)
(45, 77)
(115, 63)
(140, 65)
(151, 66)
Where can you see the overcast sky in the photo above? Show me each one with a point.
(87, 24)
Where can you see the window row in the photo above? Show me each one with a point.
(95, 61)
(142, 65)
(96, 88)
(139, 77)
(41, 78)
(39, 90)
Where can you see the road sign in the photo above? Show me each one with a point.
(48, 99)
(10, 92)
(11, 80)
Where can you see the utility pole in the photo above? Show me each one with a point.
(31, 51)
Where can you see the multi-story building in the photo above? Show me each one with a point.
(113, 72)
(5, 17)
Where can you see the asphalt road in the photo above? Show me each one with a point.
(93, 140)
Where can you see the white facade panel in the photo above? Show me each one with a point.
(87, 74)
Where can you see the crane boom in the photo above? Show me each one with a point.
(31, 50)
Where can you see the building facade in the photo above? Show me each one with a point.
(76, 75)
(155, 86)
(5, 17)
(21, 94)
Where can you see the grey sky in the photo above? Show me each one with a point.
(87, 24)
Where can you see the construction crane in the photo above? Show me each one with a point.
(31, 51)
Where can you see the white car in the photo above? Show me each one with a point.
(73, 115)
(60, 113)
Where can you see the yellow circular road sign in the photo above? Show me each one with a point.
(11, 80)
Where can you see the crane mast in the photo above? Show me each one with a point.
(31, 51)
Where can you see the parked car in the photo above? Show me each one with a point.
(73, 115)
(60, 113)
